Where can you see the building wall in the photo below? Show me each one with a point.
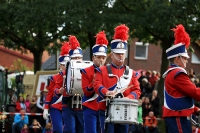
(153, 61)
(195, 67)
(8, 57)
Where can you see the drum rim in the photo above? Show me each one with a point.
(124, 100)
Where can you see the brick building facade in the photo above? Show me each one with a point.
(8, 57)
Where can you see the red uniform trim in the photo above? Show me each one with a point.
(179, 125)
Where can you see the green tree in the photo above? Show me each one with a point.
(30, 25)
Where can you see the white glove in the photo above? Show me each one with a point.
(45, 114)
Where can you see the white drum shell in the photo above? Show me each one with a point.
(75, 76)
(123, 111)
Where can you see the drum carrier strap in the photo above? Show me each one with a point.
(110, 74)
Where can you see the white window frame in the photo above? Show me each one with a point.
(194, 59)
(141, 44)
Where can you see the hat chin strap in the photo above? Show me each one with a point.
(182, 61)
(119, 60)
(98, 62)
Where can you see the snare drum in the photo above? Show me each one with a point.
(73, 77)
(123, 111)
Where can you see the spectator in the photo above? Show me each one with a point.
(192, 80)
(158, 75)
(41, 100)
(191, 73)
(156, 85)
(148, 74)
(155, 102)
(195, 129)
(146, 107)
(151, 123)
(48, 128)
(143, 98)
(27, 103)
(35, 127)
(145, 87)
(19, 121)
(33, 108)
(137, 128)
(197, 83)
(20, 104)
(153, 79)
(40, 106)
(142, 76)
(25, 129)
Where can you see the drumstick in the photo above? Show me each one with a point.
(122, 90)
(111, 96)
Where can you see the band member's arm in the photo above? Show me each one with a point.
(196, 110)
(50, 93)
(184, 85)
(87, 85)
(98, 86)
(58, 85)
(135, 90)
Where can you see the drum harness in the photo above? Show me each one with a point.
(119, 94)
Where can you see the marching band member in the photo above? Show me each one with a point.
(109, 78)
(179, 91)
(52, 105)
(90, 112)
(72, 117)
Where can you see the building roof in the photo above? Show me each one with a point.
(50, 64)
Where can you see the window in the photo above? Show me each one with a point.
(141, 50)
(195, 59)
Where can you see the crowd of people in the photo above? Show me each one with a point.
(31, 123)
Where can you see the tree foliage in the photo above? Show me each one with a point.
(29, 25)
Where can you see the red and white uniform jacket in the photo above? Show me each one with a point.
(89, 99)
(103, 83)
(58, 85)
(52, 97)
(179, 92)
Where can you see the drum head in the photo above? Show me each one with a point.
(73, 76)
(68, 78)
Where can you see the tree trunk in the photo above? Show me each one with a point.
(91, 39)
(164, 66)
(37, 60)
